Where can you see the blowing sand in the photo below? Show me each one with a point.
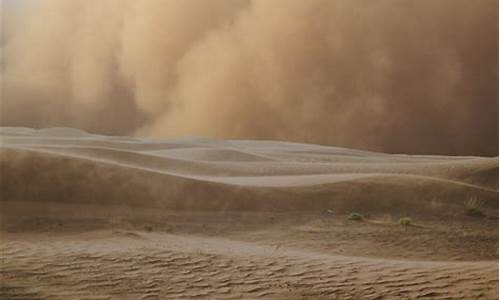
(87, 216)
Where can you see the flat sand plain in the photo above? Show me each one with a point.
(87, 216)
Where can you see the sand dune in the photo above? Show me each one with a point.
(241, 219)
(168, 172)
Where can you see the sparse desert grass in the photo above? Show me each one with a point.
(405, 221)
(473, 207)
(355, 217)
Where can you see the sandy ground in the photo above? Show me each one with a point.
(95, 217)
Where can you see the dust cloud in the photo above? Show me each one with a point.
(394, 75)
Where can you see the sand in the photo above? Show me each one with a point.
(87, 216)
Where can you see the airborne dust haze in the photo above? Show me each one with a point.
(414, 76)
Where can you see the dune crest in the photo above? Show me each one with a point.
(69, 165)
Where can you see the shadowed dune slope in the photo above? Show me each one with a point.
(71, 166)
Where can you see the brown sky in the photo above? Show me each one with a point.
(414, 76)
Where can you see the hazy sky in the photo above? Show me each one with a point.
(414, 76)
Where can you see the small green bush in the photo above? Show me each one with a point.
(474, 212)
(405, 221)
(355, 217)
(473, 207)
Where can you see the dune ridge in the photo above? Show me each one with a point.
(201, 174)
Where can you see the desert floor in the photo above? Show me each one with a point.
(96, 217)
